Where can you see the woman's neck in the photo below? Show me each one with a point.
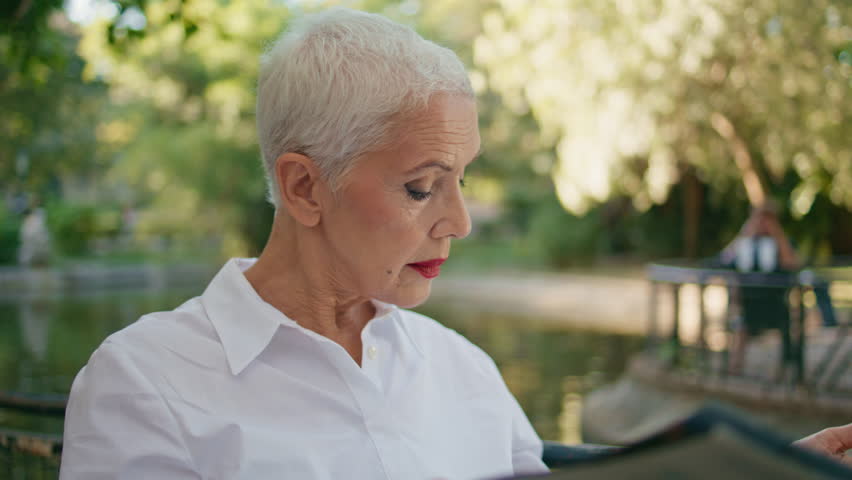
(299, 283)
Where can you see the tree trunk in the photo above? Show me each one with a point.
(693, 199)
(751, 179)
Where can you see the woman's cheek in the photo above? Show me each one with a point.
(376, 211)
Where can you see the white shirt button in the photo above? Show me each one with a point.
(372, 352)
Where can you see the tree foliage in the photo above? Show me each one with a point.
(633, 94)
(182, 76)
(49, 113)
(23, 28)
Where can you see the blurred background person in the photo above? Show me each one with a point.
(762, 246)
(35, 245)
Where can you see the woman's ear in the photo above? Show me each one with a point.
(298, 181)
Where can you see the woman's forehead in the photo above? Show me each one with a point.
(444, 136)
(447, 130)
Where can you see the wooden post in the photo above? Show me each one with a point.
(702, 325)
(653, 296)
(675, 340)
(726, 353)
(800, 338)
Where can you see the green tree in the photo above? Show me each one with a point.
(636, 96)
(48, 135)
(24, 31)
(182, 76)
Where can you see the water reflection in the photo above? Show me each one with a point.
(34, 319)
(45, 341)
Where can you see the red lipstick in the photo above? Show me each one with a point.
(429, 268)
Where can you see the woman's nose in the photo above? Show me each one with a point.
(454, 220)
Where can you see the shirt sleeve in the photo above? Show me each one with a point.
(118, 426)
(526, 444)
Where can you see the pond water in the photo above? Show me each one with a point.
(44, 341)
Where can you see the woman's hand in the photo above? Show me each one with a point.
(832, 442)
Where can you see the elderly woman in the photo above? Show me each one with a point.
(303, 363)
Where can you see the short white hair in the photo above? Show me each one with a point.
(336, 84)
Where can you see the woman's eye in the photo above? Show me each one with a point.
(417, 195)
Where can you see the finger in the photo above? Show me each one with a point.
(841, 437)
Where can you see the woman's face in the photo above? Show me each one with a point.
(403, 205)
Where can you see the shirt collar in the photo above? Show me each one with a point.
(246, 324)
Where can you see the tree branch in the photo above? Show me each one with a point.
(22, 9)
(755, 190)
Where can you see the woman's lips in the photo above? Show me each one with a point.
(429, 268)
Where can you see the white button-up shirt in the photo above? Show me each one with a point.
(226, 387)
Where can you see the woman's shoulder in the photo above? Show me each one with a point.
(163, 328)
(155, 340)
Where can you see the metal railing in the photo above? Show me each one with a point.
(791, 288)
(30, 455)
